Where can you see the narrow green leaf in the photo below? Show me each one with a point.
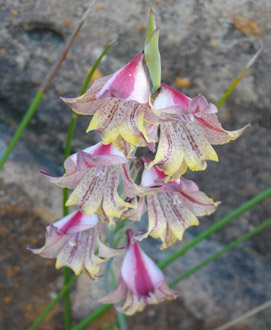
(67, 302)
(221, 252)
(44, 87)
(53, 303)
(29, 114)
(237, 80)
(92, 317)
(111, 325)
(216, 226)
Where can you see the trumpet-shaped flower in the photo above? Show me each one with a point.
(119, 104)
(73, 241)
(187, 142)
(141, 282)
(173, 206)
(95, 175)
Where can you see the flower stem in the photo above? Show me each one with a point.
(67, 152)
(218, 254)
(53, 303)
(95, 66)
(217, 226)
(93, 316)
(111, 325)
(67, 303)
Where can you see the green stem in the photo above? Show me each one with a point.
(92, 317)
(111, 325)
(122, 321)
(121, 317)
(67, 152)
(95, 66)
(67, 303)
(29, 113)
(52, 304)
(218, 254)
(217, 226)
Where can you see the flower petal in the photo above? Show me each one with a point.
(139, 272)
(173, 208)
(116, 295)
(129, 83)
(75, 242)
(87, 104)
(187, 142)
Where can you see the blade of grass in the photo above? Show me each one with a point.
(244, 316)
(67, 151)
(29, 113)
(237, 80)
(53, 303)
(92, 317)
(216, 226)
(221, 252)
(44, 87)
(67, 302)
(111, 325)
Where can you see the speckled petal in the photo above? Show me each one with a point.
(75, 242)
(187, 142)
(173, 207)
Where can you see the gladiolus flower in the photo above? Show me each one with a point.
(95, 174)
(119, 104)
(73, 241)
(187, 142)
(141, 283)
(173, 207)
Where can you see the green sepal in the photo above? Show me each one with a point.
(151, 26)
(153, 60)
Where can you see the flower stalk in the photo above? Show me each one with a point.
(129, 113)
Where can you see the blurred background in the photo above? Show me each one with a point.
(204, 46)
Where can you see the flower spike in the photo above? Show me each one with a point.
(73, 241)
(141, 283)
(187, 142)
(119, 104)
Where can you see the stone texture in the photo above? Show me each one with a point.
(207, 44)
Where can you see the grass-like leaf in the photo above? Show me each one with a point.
(44, 87)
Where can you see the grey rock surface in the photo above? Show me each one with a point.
(207, 43)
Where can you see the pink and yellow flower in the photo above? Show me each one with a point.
(173, 207)
(95, 175)
(141, 282)
(119, 104)
(73, 241)
(187, 141)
